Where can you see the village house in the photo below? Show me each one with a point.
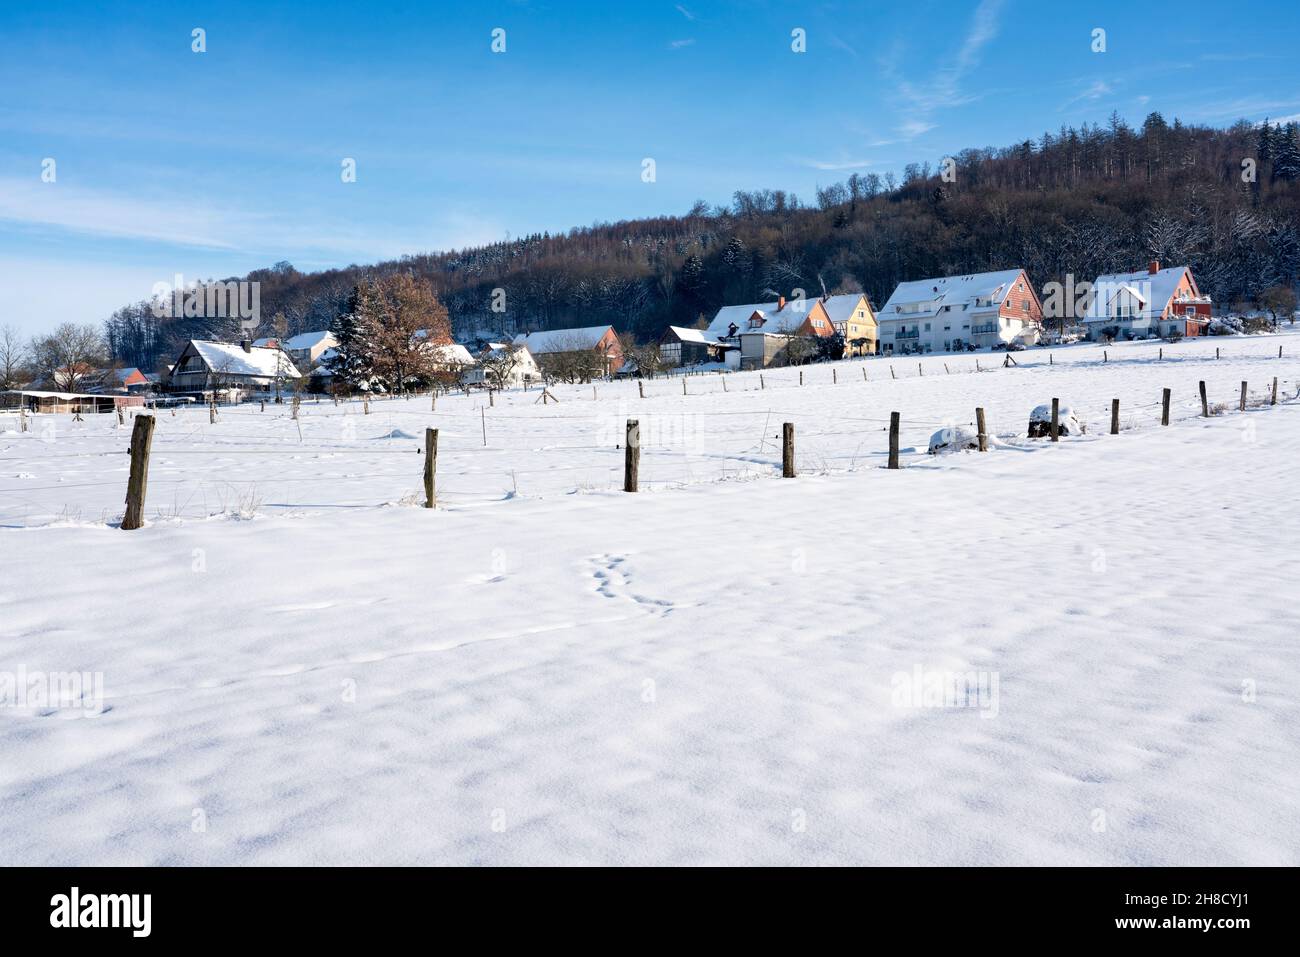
(953, 313)
(764, 330)
(1149, 302)
(205, 366)
(523, 372)
(88, 379)
(679, 346)
(305, 349)
(853, 319)
(594, 351)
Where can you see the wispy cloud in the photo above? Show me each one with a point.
(678, 44)
(219, 227)
(1236, 57)
(1090, 94)
(838, 165)
(946, 86)
(686, 13)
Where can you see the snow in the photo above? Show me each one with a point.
(776, 318)
(717, 670)
(961, 293)
(692, 335)
(954, 438)
(231, 359)
(1068, 421)
(1153, 291)
(562, 340)
(301, 342)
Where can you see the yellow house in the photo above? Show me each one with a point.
(853, 318)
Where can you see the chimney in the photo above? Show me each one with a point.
(246, 345)
(780, 303)
(1154, 267)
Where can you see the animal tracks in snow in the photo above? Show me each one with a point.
(614, 580)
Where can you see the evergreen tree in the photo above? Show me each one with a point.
(353, 362)
(1286, 153)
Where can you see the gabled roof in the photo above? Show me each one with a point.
(840, 308)
(229, 358)
(453, 353)
(776, 319)
(562, 340)
(962, 293)
(1154, 290)
(302, 341)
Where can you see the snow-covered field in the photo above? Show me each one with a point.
(300, 666)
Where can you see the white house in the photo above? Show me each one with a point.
(1148, 302)
(522, 374)
(306, 349)
(951, 313)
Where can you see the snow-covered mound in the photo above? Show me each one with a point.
(954, 438)
(1068, 421)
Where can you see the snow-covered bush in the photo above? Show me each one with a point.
(1225, 326)
(1068, 423)
(954, 439)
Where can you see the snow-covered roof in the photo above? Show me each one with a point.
(776, 319)
(231, 359)
(925, 298)
(302, 341)
(1153, 290)
(562, 340)
(692, 335)
(453, 353)
(840, 308)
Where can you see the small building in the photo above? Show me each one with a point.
(953, 313)
(764, 330)
(40, 401)
(207, 366)
(305, 349)
(1149, 302)
(592, 351)
(853, 319)
(522, 372)
(679, 346)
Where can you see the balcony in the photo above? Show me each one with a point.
(907, 334)
(984, 329)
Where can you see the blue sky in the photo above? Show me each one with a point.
(211, 164)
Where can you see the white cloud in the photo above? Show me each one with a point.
(835, 165)
(686, 13)
(678, 44)
(1093, 92)
(945, 88)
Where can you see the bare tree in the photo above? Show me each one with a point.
(499, 366)
(13, 358)
(69, 356)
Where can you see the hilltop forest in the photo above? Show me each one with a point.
(1079, 201)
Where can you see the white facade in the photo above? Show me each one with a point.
(951, 313)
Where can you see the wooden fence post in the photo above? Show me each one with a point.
(430, 467)
(1050, 360)
(893, 440)
(835, 379)
(1216, 352)
(1243, 398)
(121, 419)
(724, 383)
(891, 373)
(632, 456)
(212, 412)
(1114, 416)
(433, 400)
(801, 377)
(1274, 402)
(492, 396)
(640, 386)
(296, 402)
(1162, 353)
(1056, 420)
(919, 370)
(22, 414)
(1105, 356)
(983, 432)
(683, 385)
(365, 404)
(761, 384)
(138, 482)
(482, 418)
(1205, 403)
(1164, 402)
(787, 450)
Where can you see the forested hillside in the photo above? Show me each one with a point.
(1081, 202)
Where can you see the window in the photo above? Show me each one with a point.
(927, 327)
